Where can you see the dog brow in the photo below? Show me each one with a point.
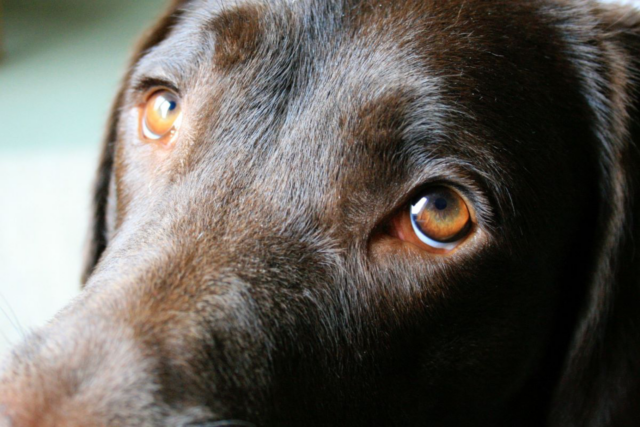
(237, 31)
(381, 119)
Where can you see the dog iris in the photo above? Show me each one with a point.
(161, 115)
(440, 218)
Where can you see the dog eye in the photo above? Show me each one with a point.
(160, 116)
(437, 221)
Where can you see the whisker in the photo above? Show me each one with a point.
(6, 338)
(11, 316)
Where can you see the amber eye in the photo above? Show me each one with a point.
(161, 116)
(438, 220)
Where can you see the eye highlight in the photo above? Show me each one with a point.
(437, 221)
(160, 116)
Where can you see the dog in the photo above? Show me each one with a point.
(359, 213)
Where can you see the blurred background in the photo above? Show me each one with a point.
(60, 68)
(61, 64)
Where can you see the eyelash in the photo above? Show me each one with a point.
(143, 87)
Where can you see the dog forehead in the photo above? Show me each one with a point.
(297, 74)
(380, 49)
(231, 34)
(297, 50)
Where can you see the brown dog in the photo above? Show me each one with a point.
(358, 212)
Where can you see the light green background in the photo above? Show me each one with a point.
(61, 66)
(60, 69)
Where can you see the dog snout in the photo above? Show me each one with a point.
(88, 368)
(87, 376)
(132, 353)
(159, 334)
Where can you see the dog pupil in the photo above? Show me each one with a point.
(440, 204)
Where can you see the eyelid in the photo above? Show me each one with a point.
(448, 246)
(148, 85)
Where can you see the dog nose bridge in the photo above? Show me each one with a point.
(113, 353)
(144, 305)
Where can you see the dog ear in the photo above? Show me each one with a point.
(97, 237)
(600, 380)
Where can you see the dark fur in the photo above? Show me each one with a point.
(247, 273)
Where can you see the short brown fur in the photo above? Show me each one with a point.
(238, 32)
(248, 275)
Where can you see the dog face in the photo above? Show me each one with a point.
(358, 213)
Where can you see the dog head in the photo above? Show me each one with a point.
(358, 213)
